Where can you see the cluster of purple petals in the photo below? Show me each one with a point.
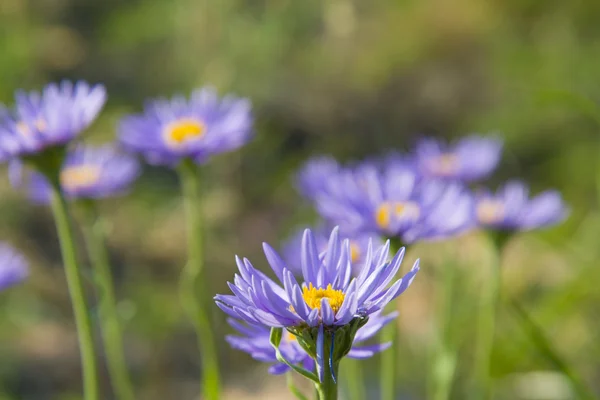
(111, 172)
(226, 123)
(254, 340)
(53, 117)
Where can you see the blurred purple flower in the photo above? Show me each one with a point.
(254, 340)
(50, 118)
(469, 159)
(13, 266)
(359, 245)
(328, 295)
(395, 202)
(314, 175)
(171, 130)
(510, 208)
(89, 173)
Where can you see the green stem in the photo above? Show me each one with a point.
(192, 278)
(388, 362)
(486, 325)
(109, 320)
(354, 377)
(328, 389)
(543, 344)
(78, 300)
(444, 360)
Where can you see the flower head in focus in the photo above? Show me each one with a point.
(469, 159)
(328, 300)
(171, 130)
(393, 200)
(89, 173)
(254, 340)
(47, 119)
(511, 209)
(13, 266)
(358, 247)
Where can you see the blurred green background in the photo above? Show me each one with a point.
(347, 77)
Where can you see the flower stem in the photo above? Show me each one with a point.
(355, 380)
(78, 300)
(388, 362)
(444, 359)
(486, 325)
(111, 331)
(192, 281)
(328, 389)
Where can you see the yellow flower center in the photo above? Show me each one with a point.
(24, 130)
(79, 176)
(312, 296)
(183, 130)
(445, 164)
(354, 252)
(490, 211)
(395, 209)
(290, 337)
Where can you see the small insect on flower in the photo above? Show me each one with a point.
(254, 340)
(51, 118)
(89, 173)
(170, 131)
(471, 158)
(13, 266)
(511, 209)
(393, 200)
(328, 307)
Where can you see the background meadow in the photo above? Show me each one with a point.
(347, 78)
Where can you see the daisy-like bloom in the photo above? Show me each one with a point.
(511, 209)
(51, 118)
(393, 201)
(13, 266)
(254, 340)
(89, 173)
(358, 247)
(469, 159)
(328, 302)
(313, 176)
(198, 128)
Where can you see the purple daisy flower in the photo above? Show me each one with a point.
(358, 247)
(254, 340)
(313, 176)
(510, 208)
(89, 173)
(328, 298)
(394, 201)
(469, 159)
(50, 118)
(13, 266)
(169, 131)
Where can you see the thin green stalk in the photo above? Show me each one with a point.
(78, 300)
(486, 326)
(388, 362)
(192, 281)
(444, 359)
(546, 348)
(328, 389)
(109, 320)
(354, 378)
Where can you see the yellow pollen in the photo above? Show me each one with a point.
(23, 129)
(312, 296)
(490, 211)
(445, 164)
(79, 176)
(183, 130)
(397, 209)
(291, 337)
(354, 252)
(40, 125)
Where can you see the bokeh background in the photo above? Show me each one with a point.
(344, 77)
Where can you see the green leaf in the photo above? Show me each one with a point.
(275, 339)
